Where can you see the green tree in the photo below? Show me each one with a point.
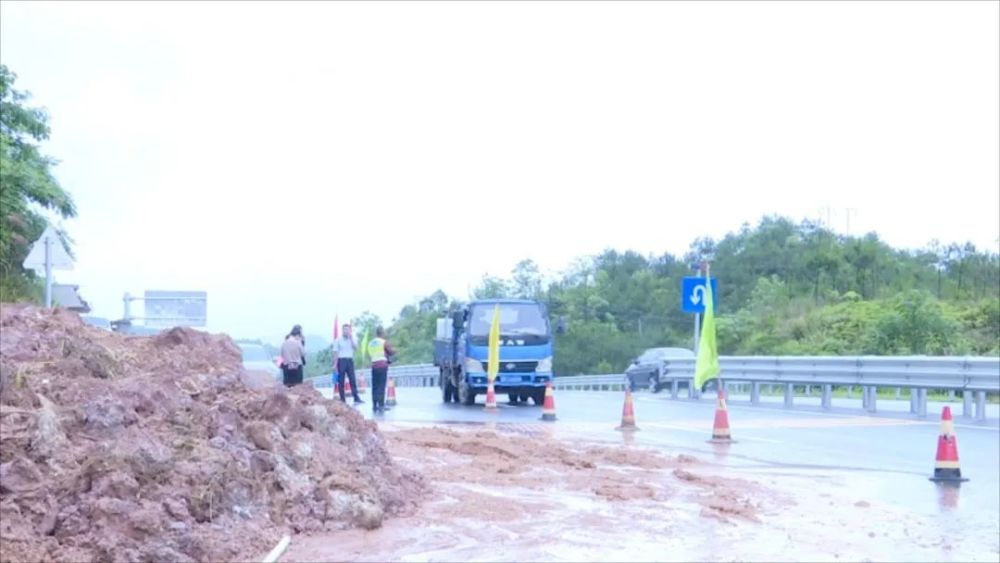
(492, 287)
(785, 288)
(366, 321)
(526, 281)
(916, 324)
(27, 187)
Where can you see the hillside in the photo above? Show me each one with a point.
(785, 288)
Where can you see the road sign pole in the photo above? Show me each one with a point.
(692, 392)
(697, 331)
(48, 272)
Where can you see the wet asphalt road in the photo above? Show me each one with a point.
(885, 457)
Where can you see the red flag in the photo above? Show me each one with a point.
(336, 327)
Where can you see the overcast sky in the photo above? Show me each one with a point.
(296, 160)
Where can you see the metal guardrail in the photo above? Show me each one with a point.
(609, 382)
(919, 372)
(414, 375)
(974, 377)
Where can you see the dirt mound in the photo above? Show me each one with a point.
(126, 448)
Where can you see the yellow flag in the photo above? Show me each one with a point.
(707, 363)
(493, 363)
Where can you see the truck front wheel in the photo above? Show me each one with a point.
(538, 395)
(466, 395)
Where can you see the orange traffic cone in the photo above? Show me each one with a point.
(946, 462)
(628, 413)
(361, 383)
(390, 398)
(549, 407)
(720, 430)
(347, 385)
(491, 398)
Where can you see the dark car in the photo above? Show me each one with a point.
(647, 370)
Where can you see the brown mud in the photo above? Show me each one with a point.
(127, 448)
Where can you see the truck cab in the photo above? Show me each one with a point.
(461, 351)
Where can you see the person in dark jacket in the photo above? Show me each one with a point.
(380, 351)
(293, 356)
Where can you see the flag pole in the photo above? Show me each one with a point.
(697, 325)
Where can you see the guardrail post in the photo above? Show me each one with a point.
(872, 398)
(981, 406)
(966, 403)
(849, 389)
(674, 388)
(755, 393)
(789, 395)
(808, 390)
(913, 400)
(951, 394)
(899, 392)
(922, 403)
(827, 400)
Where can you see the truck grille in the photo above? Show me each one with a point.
(514, 367)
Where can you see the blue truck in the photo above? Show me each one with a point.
(461, 351)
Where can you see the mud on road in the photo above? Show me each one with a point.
(510, 497)
(515, 492)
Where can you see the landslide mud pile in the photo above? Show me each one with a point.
(125, 448)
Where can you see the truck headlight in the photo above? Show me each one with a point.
(473, 366)
(545, 365)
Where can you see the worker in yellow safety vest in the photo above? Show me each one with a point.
(379, 350)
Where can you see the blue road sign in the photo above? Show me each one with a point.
(693, 294)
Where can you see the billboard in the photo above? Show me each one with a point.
(167, 309)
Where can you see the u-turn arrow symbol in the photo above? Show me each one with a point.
(697, 294)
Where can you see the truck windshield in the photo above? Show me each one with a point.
(522, 321)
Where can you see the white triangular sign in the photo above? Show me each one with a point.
(58, 255)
